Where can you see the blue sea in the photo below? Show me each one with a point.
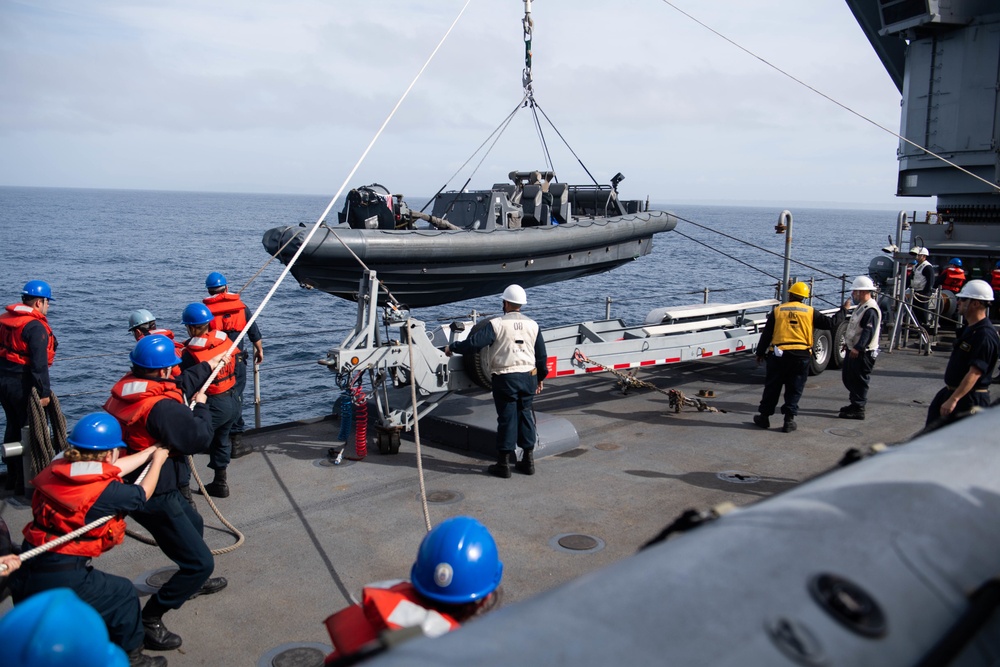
(108, 252)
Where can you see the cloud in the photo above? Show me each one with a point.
(178, 94)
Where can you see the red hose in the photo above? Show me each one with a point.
(360, 402)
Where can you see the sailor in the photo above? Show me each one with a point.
(151, 407)
(207, 343)
(80, 486)
(58, 629)
(922, 285)
(952, 278)
(27, 349)
(861, 346)
(786, 343)
(517, 365)
(973, 357)
(142, 323)
(455, 578)
(231, 316)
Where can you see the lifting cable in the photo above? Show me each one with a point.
(235, 344)
(715, 32)
(497, 132)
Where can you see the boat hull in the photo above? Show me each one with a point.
(433, 267)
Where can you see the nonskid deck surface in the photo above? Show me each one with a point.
(315, 533)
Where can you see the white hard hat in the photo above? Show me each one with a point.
(862, 284)
(515, 294)
(976, 289)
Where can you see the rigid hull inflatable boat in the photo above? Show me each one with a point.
(531, 231)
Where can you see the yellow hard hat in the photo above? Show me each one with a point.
(799, 290)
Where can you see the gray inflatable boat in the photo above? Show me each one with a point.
(531, 231)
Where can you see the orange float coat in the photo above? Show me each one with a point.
(386, 606)
(64, 493)
(131, 400)
(12, 323)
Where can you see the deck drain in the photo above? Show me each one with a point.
(296, 654)
(443, 497)
(737, 477)
(607, 447)
(576, 543)
(150, 582)
(843, 432)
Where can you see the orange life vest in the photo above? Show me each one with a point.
(204, 348)
(12, 323)
(954, 278)
(64, 493)
(230, 313)
(131, 400)
(995, 280)
(383, 608)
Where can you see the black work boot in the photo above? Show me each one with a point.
(853, 412)
(501, 468)
(762, 421)
(526, 465)
(136, 658)
(238, 448)
(789, 425)
(218, 488)
(213, 585)
(157, 637)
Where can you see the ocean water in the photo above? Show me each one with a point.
(108, 252)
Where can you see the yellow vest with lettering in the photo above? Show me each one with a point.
(793, 326)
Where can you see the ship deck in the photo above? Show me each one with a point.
(316, 533)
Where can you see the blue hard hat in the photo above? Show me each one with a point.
(215, 279)
(956, 261)
(38, 288)
(153, 352)
(998, 265)
(196, 314)
(97, 431)
(457, 562)
(57, 629)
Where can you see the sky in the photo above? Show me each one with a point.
(252, 96)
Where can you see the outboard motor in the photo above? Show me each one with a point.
(881, 269)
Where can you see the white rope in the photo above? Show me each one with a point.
(322, 218)
(416, 430)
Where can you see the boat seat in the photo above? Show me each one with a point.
(560, 203)
(536, 212)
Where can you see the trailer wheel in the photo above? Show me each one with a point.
(822, 350)
(837, 354)
(477, 364)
